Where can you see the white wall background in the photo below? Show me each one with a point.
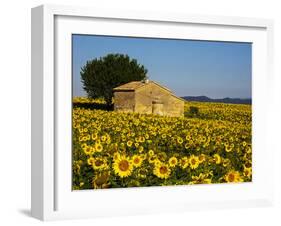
(15, 111)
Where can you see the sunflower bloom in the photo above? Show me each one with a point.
(137, 160)
(94, 136)
(162, 171)
(87, 150)
(233, 177)
(173, 161)
(217, 158)
(193, 162)
(129, 143)
(150, 152)
(123, 167)
(101, 181)
(99, 163)
(98, 147)
(90, 161)
(184, 162)
(180, 140)
(228, 148)
(247, 172)
(201, 158)
(201, 179)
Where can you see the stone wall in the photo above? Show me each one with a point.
(124, 101)
(149, 99)
(170, 105)
(175, 106)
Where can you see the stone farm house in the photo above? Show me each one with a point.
(147, 97)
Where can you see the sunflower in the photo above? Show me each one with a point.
(225, 162)
(162, 170)
(94, 136)
(101, 180)
(137, 160)
(152, 159)
(184, 162)
(193, 162)
(129, 143)
(76, 167)
(116, 155)
(228, 148)
(247, 172)
(217, 158)
(118, 129)
(201, 158)
(141, 139)
(150, 152)
(140, 149)
(90, 161)
(99, 163)
(98, 147)
(232, 177)
(87, 150)
(123, 166)
(157, 162)
(108, 140)
(180, 140)
(173, 161)
(201, 179)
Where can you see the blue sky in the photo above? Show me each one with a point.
(187, 67)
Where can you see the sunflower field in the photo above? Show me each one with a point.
(115, 150)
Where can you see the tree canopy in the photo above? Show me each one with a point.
(100, 75)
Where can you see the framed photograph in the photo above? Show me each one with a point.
(137, 112)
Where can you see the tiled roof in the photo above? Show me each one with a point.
(137, 84)
(131, 85)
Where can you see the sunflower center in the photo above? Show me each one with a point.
(231, 177)
(99, 147)
(136, 160)
(99, 163)
(193, 161)
(163, 169)
(248, 165)
(173, 161)
(123, 165)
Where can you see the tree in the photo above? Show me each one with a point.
(100, 75)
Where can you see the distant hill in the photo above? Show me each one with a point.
(226, 100)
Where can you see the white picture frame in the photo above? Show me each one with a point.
(52, 197)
